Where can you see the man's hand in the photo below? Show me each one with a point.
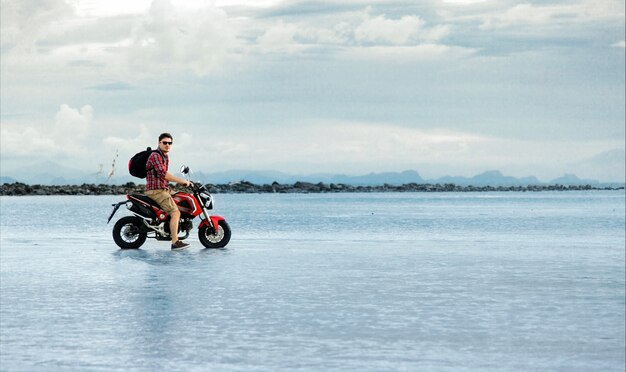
(171, 178)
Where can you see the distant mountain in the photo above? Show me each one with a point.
(258, 177)
(50, 173)
(375, 179)
(489, 178)
(267, 177)
(572, 179)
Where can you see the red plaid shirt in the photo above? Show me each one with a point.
(156, 168)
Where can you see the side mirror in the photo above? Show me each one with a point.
(184, 169)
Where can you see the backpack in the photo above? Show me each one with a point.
(137, 164)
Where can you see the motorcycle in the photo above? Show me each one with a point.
(150, 221)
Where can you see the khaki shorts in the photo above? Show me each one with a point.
(164, 199)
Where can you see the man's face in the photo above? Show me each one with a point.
(165, 145)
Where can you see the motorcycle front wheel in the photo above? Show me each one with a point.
(210, 239)
(128, 233)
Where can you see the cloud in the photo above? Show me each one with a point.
(164, 38)
(464, 2)
(24, 23)
(388, 31)
(406, 30)
(123, 44)
(114, 86)
(358, 34)
(335, 145)
(280, 38)
(66, 136)
(619, 44)
(179, 39)
(526, 73)
(187, 148)
(73, 123)
(353, 147)
(552, 15)
(132, 145)
(110, 8)
(404, 54)
(609, 166)
(26, 141)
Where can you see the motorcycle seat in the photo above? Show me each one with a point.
(145, 199)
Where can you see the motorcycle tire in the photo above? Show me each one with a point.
(128, 233)
(210, 239)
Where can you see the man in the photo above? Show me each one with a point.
(157, 186)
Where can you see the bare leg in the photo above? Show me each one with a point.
(174, 218)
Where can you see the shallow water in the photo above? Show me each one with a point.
(446, 281)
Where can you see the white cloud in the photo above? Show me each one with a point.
(181, 39)
(248, 3)
(619, 44)
(125, 43)
(73, 123)
(66, 136)
(188, 147)
(464, 2)
(361, 147)
(406, 54)
(360, 35)
(334, 145)
(52, 54)
(132, 145)
(552, 15)
(20, 141)
(608, 165)
(173, 37)
(110, 8)
(388, 31)
(22, 24)
(279, 38)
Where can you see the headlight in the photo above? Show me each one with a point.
(208, 200)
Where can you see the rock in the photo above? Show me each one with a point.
(18, 189)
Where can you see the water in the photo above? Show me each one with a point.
(402, 282)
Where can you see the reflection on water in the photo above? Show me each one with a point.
(168, 257)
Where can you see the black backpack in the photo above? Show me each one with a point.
(137, 164)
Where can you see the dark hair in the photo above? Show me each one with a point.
(165, 135)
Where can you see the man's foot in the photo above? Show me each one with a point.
(178, 246)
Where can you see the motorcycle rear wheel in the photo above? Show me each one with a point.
(210, 239)
(128, 233)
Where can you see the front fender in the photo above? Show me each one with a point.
(215, 220)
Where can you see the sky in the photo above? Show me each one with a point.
(444, 87)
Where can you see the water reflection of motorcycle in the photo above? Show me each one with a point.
(150, 221)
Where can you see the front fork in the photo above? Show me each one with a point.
(207, 220)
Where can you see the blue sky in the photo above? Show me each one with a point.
(445, 87)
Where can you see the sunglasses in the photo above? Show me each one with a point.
(166, 142)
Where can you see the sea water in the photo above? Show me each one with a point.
(318, 282)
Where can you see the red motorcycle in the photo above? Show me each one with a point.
(150, 221)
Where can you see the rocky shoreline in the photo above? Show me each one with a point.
(19, 189)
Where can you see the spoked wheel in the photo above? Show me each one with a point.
(210, 239)
(128, 233)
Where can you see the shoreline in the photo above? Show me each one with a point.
(244, 187)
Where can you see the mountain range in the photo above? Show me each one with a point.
(50, 173)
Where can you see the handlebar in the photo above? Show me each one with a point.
(195, 185)
(192, 185)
